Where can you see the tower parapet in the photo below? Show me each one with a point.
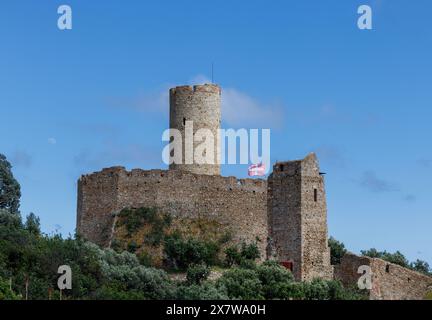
(193, 108)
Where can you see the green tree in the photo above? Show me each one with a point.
(241, 284)
(337, 251)
(421, 266)
(396, 258)
(10, 191)
(5, 292)
(277, 281)
(32, 224)
(198, 273)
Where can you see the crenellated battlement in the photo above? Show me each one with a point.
(188, 90)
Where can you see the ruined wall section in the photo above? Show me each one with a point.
(239, 204)
(389, 281)
(202, 105)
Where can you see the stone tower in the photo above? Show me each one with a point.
(298, 218)
(192, 109)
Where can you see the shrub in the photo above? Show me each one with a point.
(205, 291)
(132, 246)
(275, 279)
(134, 219)
(232, 256)
(125, 272)
(145, 259)
(317, 289)
(241, 284)
(180, 253)
(196, 274)
(245, 256)
(290, 291)
(250, 251)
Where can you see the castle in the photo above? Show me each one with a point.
(287, 212)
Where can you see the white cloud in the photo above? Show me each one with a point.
(238, 108)
(241, 110)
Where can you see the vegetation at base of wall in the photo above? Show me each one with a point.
(134, 219)
(182, 252)
(160, 240)
(29, 257)
(246, 253)
(269, 280)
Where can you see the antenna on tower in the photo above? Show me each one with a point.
(212, 72)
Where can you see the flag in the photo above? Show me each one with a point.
(256, 170)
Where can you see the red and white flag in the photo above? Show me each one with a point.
(256, 170)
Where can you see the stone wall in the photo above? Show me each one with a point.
(298, 217)
(239, 204)
(389, 281)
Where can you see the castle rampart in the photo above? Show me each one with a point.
(238, 204)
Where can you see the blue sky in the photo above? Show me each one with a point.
(73, 102)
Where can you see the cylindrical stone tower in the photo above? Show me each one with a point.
(196, 113)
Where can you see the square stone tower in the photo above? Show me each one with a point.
(298, 218)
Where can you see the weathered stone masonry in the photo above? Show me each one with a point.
(288, 213)
(298, 217)
(389, 281)
(237, 203)
(200, 105)
(283, 215)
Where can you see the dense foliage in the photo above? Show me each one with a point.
(10, 191)
(29, 262)
(181, 252)
(241, 256)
